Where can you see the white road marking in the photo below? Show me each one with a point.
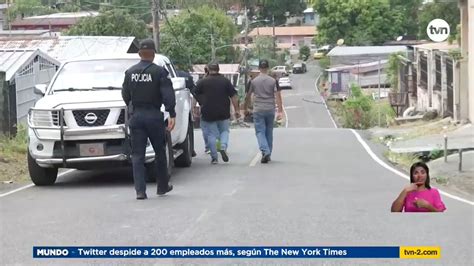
(202, 216)
(324, 101)
(30, 185)
(292, 107)
(286, 117)
(395, 171)
(255, 160)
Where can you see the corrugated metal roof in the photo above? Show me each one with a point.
(65, 48)
(363, 50)
(442, 46)
(13, 60)
(284, 31)
(80, 14)
(7, 33)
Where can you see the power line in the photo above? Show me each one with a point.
(173, 33)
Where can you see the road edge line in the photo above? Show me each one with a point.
(255, 159)
(286, 117)
(324, 100)
(31, 184)
(395, 171)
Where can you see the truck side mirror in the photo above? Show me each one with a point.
(40, 89)
(178, 83)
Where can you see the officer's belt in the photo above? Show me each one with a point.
(145, 106)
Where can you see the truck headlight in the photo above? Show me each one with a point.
(39, 118)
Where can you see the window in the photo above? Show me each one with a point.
(437, 85)
(423, 72)
(94, 73)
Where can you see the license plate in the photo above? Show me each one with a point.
(91, 149)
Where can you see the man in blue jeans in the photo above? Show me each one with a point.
(266, 91)
(216, 92)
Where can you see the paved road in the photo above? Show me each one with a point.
(304, 106)
(321, 189)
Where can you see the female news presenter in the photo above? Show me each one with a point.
(419, 196)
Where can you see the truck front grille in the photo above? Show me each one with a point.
(55, 116)
(91, 118)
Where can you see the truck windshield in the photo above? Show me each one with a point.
(83, 75)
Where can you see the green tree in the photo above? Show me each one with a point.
(278, 8)
(409, 10)
(25, 8)
(187, 37)
(305, 52)
(358, 22)
(137, 8)
(448, 11)
(263, 49)
(110, 23)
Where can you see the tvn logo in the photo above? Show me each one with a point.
(50, 252)
(438, 30)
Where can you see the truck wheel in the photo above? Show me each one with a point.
(39, 175)
(150, 167)
(186, 158)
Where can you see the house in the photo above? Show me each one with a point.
(64, 48)
(287, 36)
(365, 75)
(311, 18)
(437, 83)
(55, 22)
(26, 34)
(20, 71)
(352, 55)
(439, 77)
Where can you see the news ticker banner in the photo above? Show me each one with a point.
(261, 252)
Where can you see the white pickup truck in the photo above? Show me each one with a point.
(80, 121)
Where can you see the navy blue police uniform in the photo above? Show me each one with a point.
(145, 88)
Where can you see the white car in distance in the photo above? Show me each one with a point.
(285, 83)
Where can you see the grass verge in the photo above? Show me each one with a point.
(13, 164)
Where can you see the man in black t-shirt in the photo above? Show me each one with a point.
(216, 92)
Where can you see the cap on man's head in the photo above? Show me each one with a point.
(263, 64)
(213, 66)
(147, 44)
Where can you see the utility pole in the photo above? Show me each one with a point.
(274, 37)
(9, 19)
(155, 13)
(246, 77)
(378, 104)
(213, 47)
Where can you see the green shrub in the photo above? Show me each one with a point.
(305, 52)
(356, 109)
(16, 144)
(386, 113)
(435, 154)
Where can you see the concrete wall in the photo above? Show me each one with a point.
(291, 39)
(464, 97)
(471, 59)
(429, 98)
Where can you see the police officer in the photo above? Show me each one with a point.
(145, 88)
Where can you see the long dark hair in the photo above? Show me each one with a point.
(424, 166)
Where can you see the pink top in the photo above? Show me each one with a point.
(430, 195)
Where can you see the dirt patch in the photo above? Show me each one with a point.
(14, 169)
